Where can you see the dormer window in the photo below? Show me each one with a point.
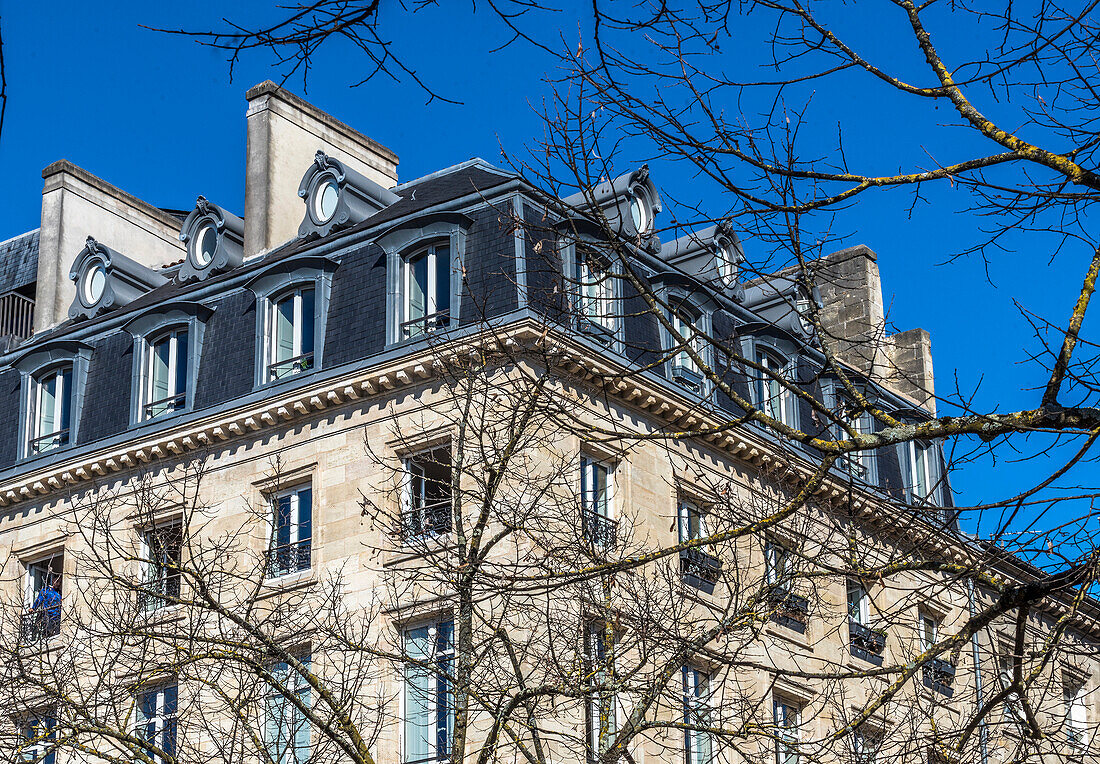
(685, 370)
(52, 408)
(641, 213)
(772, 396)
(106, 280)
(215, 241)
(290, 337)
(336, 196)
(324, 200)
(92, 284)
(725, 261)
(202, 250)
(920, 472)
(166, 373)
(426, 277)
(595, 291)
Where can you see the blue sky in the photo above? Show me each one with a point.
(157, 116)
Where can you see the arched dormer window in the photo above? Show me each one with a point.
(921, 472)
(859, 464)
(215, 242)
(167, 350)
(52, 394)
(424, 263)
(594, 288)
(771, 385)
(688, 332)
(292, 298)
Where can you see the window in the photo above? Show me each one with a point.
(290, 333)
(686, 334)
(641, 210)
(866, 746)
(788, 722)
(51, 410)
(44, 590)
(929, 628)
(161, 551)
(772, 396)
(601, 709)
(38, 736)
(426, 509)
(726, 261)
(776, 564)
(1005, 673)
(597, 526)
(156, 721)
(698, 748)
(426, 280)
(292, 530)
(698, 567)
(693, 522)
(165, 377)
(919, 471)
(1073, 693)
(860, 464)
(595, 292)
(286, 729)
(429, 710)
(859, 604)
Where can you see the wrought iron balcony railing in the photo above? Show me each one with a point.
(290, 367)
(429, 520)
(432, 322)
(700, 569)
(939, 675)
(789, 609)
(39, 624)
(284, 559)
(599, 530)
(159, 593)
(48, 442)
(165, 405)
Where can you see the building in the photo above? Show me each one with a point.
(380, 471)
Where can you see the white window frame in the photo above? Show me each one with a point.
(1074, 691)
(431, 319)
(441, 702)
(779, 403)
(866, 746)
(38, 434)
(595, 294)
(590, 467)
(271, 340)
(173, 336)
(863, 605)
(925, 619)
(295, 524)
(160, 719)
(786, 733)
(698, 706)
(776, 561)
(920, 453)
(682, 319)
(294, 682)
(685, 510)
(595, 652)
(1013, 705)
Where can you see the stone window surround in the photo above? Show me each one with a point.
(34, 364)
(149, 326)
(280, 277)
(408, 239)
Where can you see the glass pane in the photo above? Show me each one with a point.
(305, 513)
(282, 521)
(283, 337)
(442, 279)
(182, 359)
(158, 373)
(307, 322)
(419, 700)
(418, 287)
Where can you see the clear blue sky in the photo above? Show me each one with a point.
(157, 116)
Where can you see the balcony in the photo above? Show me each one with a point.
(39, 624)
(700, 569)
(16, 319)
(688, 377)
(788, 609)
(425, 324)
(284, 559)
(290, 367)
(167, 405)
(427, 521)
(48, 442)
(939, 675)
(159, 594)
(599, 530)
(866, 643)
(596, 328)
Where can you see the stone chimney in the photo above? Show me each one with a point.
(854, 321)
(76, 205)
(284, 134)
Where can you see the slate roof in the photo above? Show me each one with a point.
(19, 261)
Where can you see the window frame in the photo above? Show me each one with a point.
(926, 453)
(293, 494)
(272, 284)
(158, 583)
(151, 326)
(409, 475)
(605, 325)
(698, 745)
(764, 354)
(439, 706)
(1074, 697)
(433, 319)
(282, 672)
(32, 366)
(598, 529)
(786, 733)
(302, 361)
(856, 462)
(863, 604)
(53, 618)
(598, 705)
(43, 751)
(164, 721)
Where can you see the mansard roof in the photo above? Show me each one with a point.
(19, 261)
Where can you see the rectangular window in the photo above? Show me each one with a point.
(920, 472)
(861, 464)
(601, 709)
(286, 728)
(166, 374)
(595, 292)
(290, 338)
(776, 564)
(1077, 715)
(429, 707)
(684, 368)
(929, 630)
(156, 721)
(866, 746)
(859, 604)
(772, 395)
(788, 723)
(43, 598)
(292, 531)
(38, 736)
(426, 279)
(693, 524)
(426, 502)
(161, 550)
(698, 747)
(51, 410)
(597, 525)
(1005, 673)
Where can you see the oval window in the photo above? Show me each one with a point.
(203, 245)
(639, 210)
(95, 279)
(325, 198)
